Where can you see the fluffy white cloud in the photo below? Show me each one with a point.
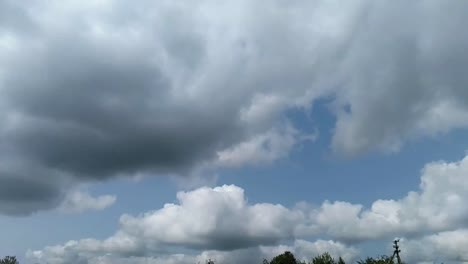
(79, 201)
(443, 247)
(210, 218)
(303, 250)
(207, 219)
(221, 218)
(438, 206)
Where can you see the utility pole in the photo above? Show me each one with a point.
(397, 251)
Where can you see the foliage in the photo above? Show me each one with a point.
(340, 261)
(381, 260)
(325, 258)
(285, 258)
(288, 258)
(9, 260)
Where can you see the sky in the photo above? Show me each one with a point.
(178, 131)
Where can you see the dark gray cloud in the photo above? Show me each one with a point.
(21, 196)
(94, 115)
(27, 186)
(98, 89)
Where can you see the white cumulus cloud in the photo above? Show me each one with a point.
(222, 219)
(438, 206)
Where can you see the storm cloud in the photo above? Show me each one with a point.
(91, 91)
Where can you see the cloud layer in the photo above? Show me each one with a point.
(69, 253)
(102, 89)
(221, 219)
(217, 222)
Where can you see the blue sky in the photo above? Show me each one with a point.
(162, 132)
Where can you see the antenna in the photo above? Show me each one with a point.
(396, 252)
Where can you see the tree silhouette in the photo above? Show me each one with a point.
(9, 260)
(285, 258)
(325, 258)
(341, 261)
(381, 260)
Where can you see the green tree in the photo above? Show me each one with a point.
(325, 258)
(380, 260)
(285, 258)
(341, 261)
(9, 260)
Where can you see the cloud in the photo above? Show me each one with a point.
(442, 247)
(218, 222)
(221, 219)
(96, 90)
(207, 218)
(402, 76)
(304, 250)
(437, 206)
(80, 201)
(153, 88)
(262, 148)
(21, 194)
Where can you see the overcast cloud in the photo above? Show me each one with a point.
(99, 89)
(95, 90)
